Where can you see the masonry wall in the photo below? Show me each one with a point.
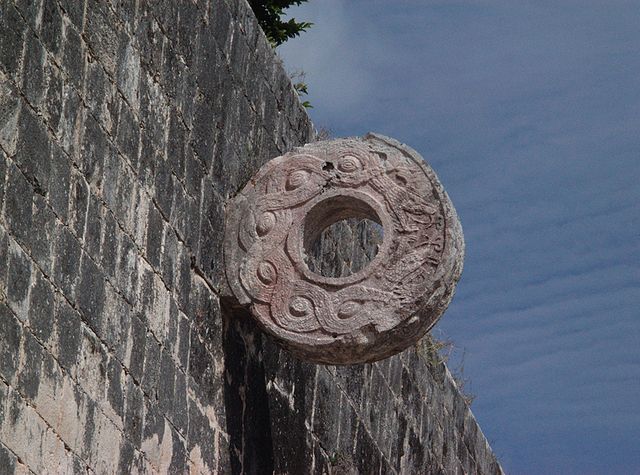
(124, 127)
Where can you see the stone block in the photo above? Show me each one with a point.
(91, 370)
(113, 171)
(200, 367)
(17, 210)
(4, 256)
(35, 71)
(72, 123)
(74, 57)
(222, 23)
(190, 16)
(187, 90)
(134, 405)
(58, 190)
(75, 10)
(171, 337)
(104, 443)
(367, 457)
(151, 369)
(68, 334)
(155, 225)
(179, 455)
(109, 243)
(128, 71)
(127, 268)
(171, 69)
(90, 292)
(51, 28)
(116, 324)
(167, 16)
(48, 400)
(201, 433)
(10, 106)
(54, 99)
(191, 224)
(94, 148)
(10, 339)
(41, 307)
(351, 379)
(125, 204)
(182, 348)
(166, 384)
(27, 436)
(11, 41)
(183, 276)
(169, 257)
(153, 433)
(326, 411)
(78, 202)
(239, 59)
(179, 209)
(163, 187)
(138, 338)
(18, 282)
(348, 427)
(203, 134)
(149, 39)
(138, 216)
(31, 354)
(7, 459)
(128, 135)
(149, 157)
(194, 173)
(42, 236)
(180, 411)
(116, 379)
(206, 316)
(127, 455)
(209, 256)
(31, 10)
(102, 35)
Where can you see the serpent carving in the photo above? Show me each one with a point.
(375, 312)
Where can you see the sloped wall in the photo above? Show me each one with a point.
(124, 126)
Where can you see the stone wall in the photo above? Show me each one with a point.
(124, 127)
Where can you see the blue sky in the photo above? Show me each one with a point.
(529, 111)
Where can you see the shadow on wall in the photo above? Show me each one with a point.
(245, 396)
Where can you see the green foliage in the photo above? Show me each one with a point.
(300, 86)
(269, 14)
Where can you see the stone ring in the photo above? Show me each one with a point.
(372, 313)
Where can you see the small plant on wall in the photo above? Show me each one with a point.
(277, 30)
(300, 85)
(269, 14)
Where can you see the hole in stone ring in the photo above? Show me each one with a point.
(342, 235)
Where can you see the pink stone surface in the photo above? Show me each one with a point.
(375, 312)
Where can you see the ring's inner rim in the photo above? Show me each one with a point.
(330, 211)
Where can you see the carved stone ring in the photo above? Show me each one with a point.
(370, 314)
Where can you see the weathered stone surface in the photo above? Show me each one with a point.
(121, 138)
(370, 314)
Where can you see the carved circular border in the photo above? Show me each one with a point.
(376, 311)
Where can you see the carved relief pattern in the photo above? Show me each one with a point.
(359, 317)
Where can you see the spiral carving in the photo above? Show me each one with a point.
(376, 311)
